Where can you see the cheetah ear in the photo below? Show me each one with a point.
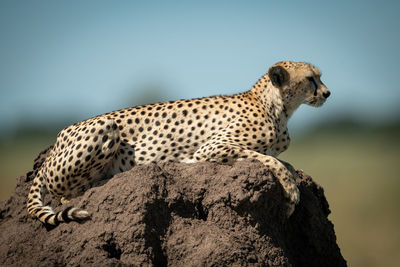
(278, 75)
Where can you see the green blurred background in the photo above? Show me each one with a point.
(62, 62)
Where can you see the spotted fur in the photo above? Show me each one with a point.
(219, 128)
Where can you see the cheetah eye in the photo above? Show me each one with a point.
(313, 83)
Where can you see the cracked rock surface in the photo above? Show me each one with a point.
(176, 214)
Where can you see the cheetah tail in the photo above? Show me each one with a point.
(45, 214)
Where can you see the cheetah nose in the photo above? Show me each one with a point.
(326, 94)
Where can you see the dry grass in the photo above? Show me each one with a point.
(16, 158)
(360, 176)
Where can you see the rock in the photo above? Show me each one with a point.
(176, 214)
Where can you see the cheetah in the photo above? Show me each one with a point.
(221, 129)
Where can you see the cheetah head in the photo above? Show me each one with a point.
(299, 83)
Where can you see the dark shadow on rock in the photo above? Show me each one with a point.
(157, 220)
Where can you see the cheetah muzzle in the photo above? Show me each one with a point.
(219, 128)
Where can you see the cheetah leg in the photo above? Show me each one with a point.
(73, 164)
(229, 153)
(37, 163)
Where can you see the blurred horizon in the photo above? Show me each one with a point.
(345, 124)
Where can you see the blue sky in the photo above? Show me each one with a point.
(77, 59)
